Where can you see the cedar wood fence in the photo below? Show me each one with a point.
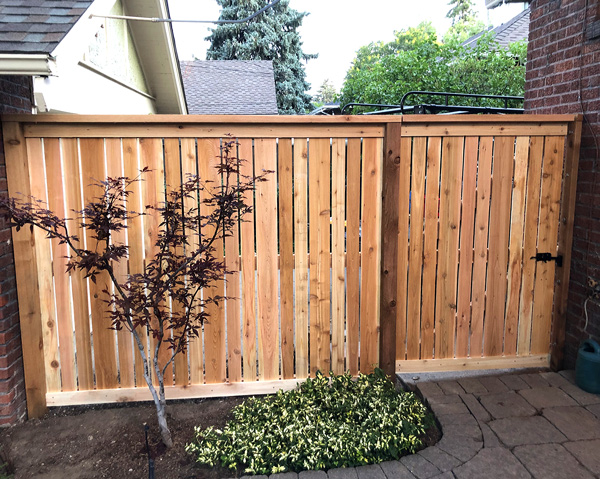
(398, 242)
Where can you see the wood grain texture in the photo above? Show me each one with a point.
(389, 249)
(60, 255)
(338, 253)
(135, 238)
(248, 270)
(547, 242)
(353, 172)
(430, 244)
(265, 159)
(370, 254)
(467, 226)
(301, 262)
(415, 267)
(447, 281)
(214, 326)
(499, 229)
(73, 202)
(319, 236)
(515, 256)
(105, 362)
(286, 255)
(403, 240)
(32, 338)
(114, 169)
(480, 254)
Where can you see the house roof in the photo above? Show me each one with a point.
(229, 87)
(37, 26)
(512, 31)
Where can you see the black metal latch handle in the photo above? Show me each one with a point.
(545, 257)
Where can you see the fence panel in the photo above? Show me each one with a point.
(474, 199)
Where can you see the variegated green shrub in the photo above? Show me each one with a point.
(324, 423)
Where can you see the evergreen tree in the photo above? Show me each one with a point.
(465, 22)
(326, 93)
(461, 11)
(272, 35)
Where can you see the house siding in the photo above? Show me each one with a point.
(563, 76)
(15, 97)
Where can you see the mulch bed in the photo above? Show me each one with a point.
(109, 441)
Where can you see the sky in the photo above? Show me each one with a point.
(335, 29)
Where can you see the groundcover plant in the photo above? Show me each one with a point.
(326, 422)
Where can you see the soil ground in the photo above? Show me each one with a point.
(109, 442)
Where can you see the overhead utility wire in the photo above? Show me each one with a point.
(170, 20)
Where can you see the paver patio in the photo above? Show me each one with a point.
(532, 425)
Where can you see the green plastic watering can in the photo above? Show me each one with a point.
(587, 370)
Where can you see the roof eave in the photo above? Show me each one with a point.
(30, 64)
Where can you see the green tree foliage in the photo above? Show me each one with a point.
(326, 93)
(272, 36)
(417, 60)
(465, 23)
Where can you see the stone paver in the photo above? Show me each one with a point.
(446, 399)
(440, 459)
(342, 473)
(493, 384)
(489, 438)
(574, 422)
(450, 387)
(476, 408)
(587, 452)
(444, 475)
(462, 450)
(556, 380)
(514, 382)
(493, 463)
(568, 374)
(372, 471)
(517, 431)
(311, 475)
(448, 419)
(541, 398)
(507, 404)
(429, 389)
(284, 475)
(550, 461)
(460, 431)
(395, 470)
(260, 476)
(472, 386)
(594, 409)
(449, 408)
(582, 397)
(534, 380)
(419, 466)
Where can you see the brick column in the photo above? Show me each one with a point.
(15, 97)
(563, 76)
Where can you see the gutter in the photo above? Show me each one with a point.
(38, 64)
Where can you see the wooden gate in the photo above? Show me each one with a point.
(398, 242)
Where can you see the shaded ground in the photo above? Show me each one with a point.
(82, 443)
(108, 442)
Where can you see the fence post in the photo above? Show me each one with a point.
(389, 249)
(565, 244)
(32, 337)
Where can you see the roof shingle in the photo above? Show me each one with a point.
(229, 87)
(25, 23)
(514, 30)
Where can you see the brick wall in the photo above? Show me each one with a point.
(15, 97)
(563, 76)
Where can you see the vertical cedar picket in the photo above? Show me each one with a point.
(389, 247)
(353, 257)
(301, 255)
(26, 270)
(60, 254)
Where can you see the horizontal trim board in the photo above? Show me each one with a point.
(485, 129)
(287, 119)
(214, 130)
(102, 396)
(462, 364)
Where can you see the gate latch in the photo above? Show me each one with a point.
(545, 257)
